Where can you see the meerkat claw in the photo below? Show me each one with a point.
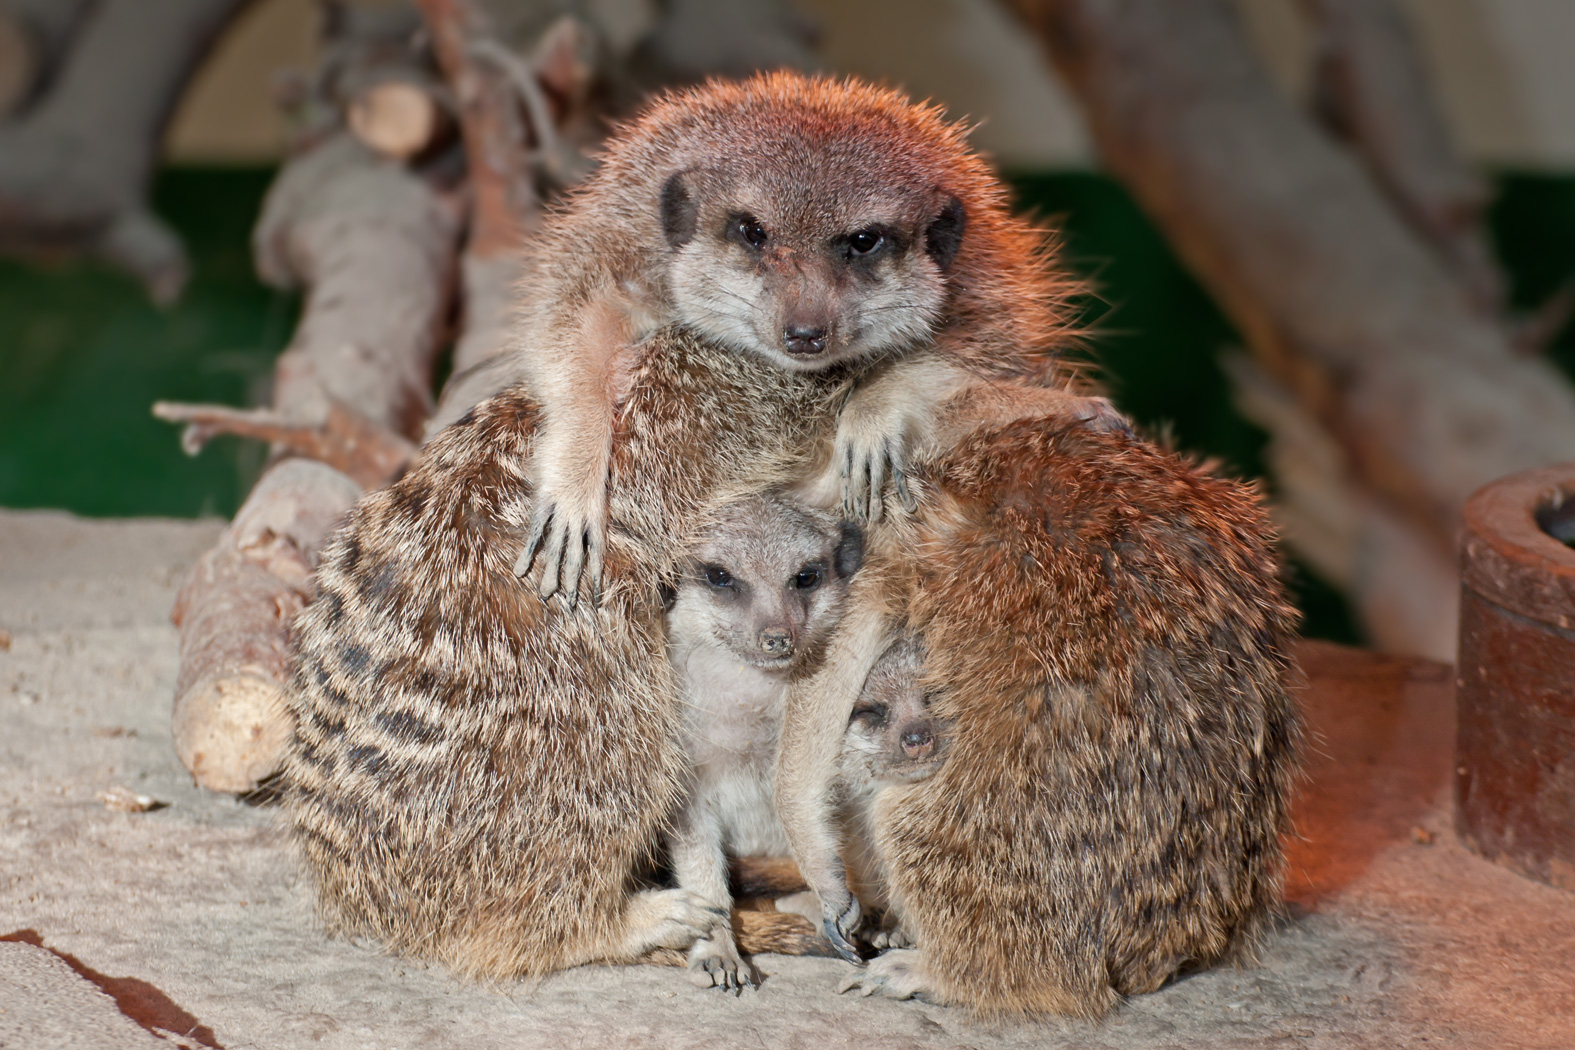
(910, 503)
(533, 542)
(838, 930)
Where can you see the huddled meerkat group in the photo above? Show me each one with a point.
(868, 582)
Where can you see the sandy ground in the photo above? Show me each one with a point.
(188, 926)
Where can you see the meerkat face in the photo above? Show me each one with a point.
(808, 276)
(892, 734)
(766, 585)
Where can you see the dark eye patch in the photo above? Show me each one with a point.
(808, 578)
(717, 576)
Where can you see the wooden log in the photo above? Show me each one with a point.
(230, 720)
(374, 245)
(34, 35)
(74, 172)
(398, 118)
(1372, 89)
(1337, 297)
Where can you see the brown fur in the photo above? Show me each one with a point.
(479, 775)
(1107, 643)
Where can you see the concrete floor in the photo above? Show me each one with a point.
(187, 925)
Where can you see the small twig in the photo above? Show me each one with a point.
(371, 454)
(529, 89)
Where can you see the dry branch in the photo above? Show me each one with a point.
(506, 203)
(369, 454)
(74, 172)
(1339, 300)
(1372, 89)
(374, 244)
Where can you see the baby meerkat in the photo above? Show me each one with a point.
(753, 609)
(893, 738)
(807, 221)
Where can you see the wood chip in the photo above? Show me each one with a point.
(1421, 836)
(125, 800)
(5, 641)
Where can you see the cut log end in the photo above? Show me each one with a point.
(396, 118)
(231, 731)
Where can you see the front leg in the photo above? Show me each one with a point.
(884, 419)
(579, 384)
(814, 724)
(701, 868)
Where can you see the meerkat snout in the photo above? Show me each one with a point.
(776, 642)
(803, 339)
(918, 741)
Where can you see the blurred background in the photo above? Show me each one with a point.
(1330, 244)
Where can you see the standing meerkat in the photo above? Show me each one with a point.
(483, 777)
(752, 610)
(1106, 640)
(804, 221)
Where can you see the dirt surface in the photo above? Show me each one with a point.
(187, 924)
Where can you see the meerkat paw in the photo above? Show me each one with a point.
(567, 539)
(714, 962)
(872, 454)
(891, 935)
(898, 974)
(668, 919)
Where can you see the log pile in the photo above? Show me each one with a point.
(1355, 269)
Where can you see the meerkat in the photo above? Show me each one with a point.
(808, 222)
(483, 777)
(893, 738)
(1106, 639)
(752, 610)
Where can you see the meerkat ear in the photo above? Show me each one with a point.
(678, 211)
(944, 234)
(849, 554)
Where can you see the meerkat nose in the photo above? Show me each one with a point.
(803, 339)
(918, 742)
(774, 641)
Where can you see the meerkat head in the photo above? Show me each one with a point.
(766, 583)
(892, 734)
(813, 221)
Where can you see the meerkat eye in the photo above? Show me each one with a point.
(865, 242)
(868, 713)
(747, 228)
(718, 577)
(808, 578)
